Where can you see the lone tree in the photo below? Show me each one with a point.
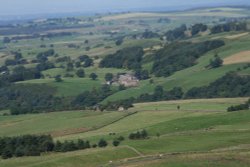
(116, 143)
(6, 40)
(70, 66)
(102, 143)
(109, 77)
(93, 76)
(217, 62)
(80, 73)
(119, 42)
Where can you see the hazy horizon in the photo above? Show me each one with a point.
(31, 7)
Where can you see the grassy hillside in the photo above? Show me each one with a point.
(197, 75)
(203, 131)
(57, 124)
(181, 133)
(108, 29)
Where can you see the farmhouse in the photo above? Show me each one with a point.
(128, 80)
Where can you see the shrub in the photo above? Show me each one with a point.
(102, 143)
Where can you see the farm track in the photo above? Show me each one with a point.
(144, 159)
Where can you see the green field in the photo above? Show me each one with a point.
(205, 131)
(58, 123)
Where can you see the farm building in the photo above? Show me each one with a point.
(128, 80)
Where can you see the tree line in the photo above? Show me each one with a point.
(35, 145)
(245, 106)
(230, 85)
(128, 58)
(227, 27)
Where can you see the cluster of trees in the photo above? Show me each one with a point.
(22, 99)
(20, 73)
(84, 61)
(91, 98)
(43, 56)
(138, 135)
(245, 106)
(178, 56)
(116, 142)
(231, 26)
(34, 145)
(28, 145)
(177, 33)
(67, 146)
(18, 60)
(149, 34)
(115, 105)
(230, 85)
(142, 74)
(129, 58)
(197, 28)
(160, 95)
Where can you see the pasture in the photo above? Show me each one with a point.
(192, 135)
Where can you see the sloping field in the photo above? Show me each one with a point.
(86, 158)
(57, 123)
(186, 138)
(241, 57)
(190, 105)
(209, 159)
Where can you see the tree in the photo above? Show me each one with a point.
(70, 66)
(18, 56)
(144, 134)
(58, 78)
(158, 92)
(78, 64)
(116, 143)
(80, 144)
(120, 138)
(109, 77)
(80, 73)
(119, 42)
(88, 62)
(217, 62)
(102, 143)
(58, 146)
(6, 40)
(6, 153)
(82, 58)
(93, 76)
(158, 134)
